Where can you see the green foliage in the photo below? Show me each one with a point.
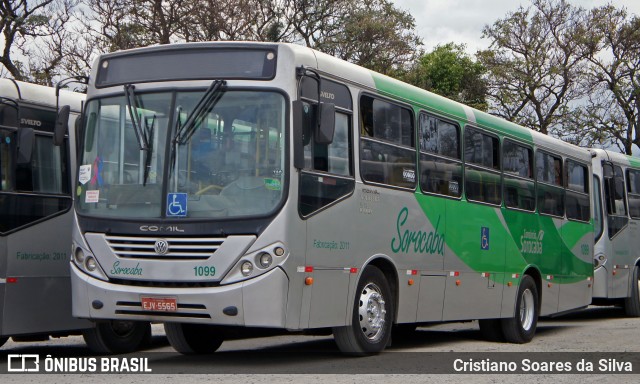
(450, 72)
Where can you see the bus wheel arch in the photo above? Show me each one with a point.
(521, 328)
(390, 273)
(372, 317)
(632, 303)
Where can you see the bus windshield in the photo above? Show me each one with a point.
(230, 165)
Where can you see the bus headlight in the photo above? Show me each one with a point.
(257, 262)
(246, 268)
(265, 260)
(79, 255)
(91, 264)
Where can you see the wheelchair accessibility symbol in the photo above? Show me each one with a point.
(484, 238)
(177, 205)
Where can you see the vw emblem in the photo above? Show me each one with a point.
(161, 247)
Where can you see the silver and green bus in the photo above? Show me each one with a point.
(270, 185)
(616, 187)
(36, 173)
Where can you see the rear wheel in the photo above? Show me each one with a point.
(521, 328)
(632, 303)
(191, 339)
(370, 329)
(117, 336)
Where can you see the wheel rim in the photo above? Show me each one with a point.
(122, 329)
(372, 312)
(527, 309)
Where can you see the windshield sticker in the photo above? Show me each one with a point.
(92, 196)
(272, 184)
(84, 175)
(177, 204)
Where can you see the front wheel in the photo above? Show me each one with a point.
(370, 329)
(521, 328)
(191, 339)
(117, 336)
(632, 303)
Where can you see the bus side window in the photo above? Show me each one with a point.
(327, 176)
(387, 148)
(519, 187)
(577, 203)
(551, 193)
(440, 156)
(482, 167)
(633, 189)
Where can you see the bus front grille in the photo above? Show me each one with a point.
(176, 248)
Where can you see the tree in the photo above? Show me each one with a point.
(612, 114)
(35, 33)
(534, 64)
(376, 35)
(450, 72)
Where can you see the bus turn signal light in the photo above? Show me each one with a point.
(308, 281)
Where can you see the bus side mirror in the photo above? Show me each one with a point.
(62, 124)
(26, 137)
(327, 123)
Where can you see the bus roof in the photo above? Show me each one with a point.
(39, 94)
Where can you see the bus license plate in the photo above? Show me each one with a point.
(162, 304)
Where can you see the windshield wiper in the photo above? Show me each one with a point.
(184, 132)
(199, 113)
(144, 136)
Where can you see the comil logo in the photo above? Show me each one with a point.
(23, 363)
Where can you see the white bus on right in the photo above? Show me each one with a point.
(616, 185)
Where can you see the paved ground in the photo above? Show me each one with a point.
(595, 333)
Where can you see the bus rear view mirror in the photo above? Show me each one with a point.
(62, 124)
(26, 137)
(327, 124)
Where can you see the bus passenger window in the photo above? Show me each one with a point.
(577, 204)
(440, 162)
(633, 188)
(482, 167)
(387, 150)
(550, 189)
(519, 187)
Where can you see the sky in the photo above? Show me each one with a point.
(462, 21)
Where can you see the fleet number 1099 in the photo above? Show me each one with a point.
(204, 271)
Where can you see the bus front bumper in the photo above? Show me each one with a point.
(257, 302)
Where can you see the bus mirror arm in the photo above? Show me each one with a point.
(62, 124)
(298, 145)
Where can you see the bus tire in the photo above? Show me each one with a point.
(632, 303)
(116, 336)
(370, 328)
(521, 328)
(491, 330)
(3, 340)
(191, 339)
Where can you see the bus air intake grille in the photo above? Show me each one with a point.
(168, 248)
(184, 310)
(165, 284)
